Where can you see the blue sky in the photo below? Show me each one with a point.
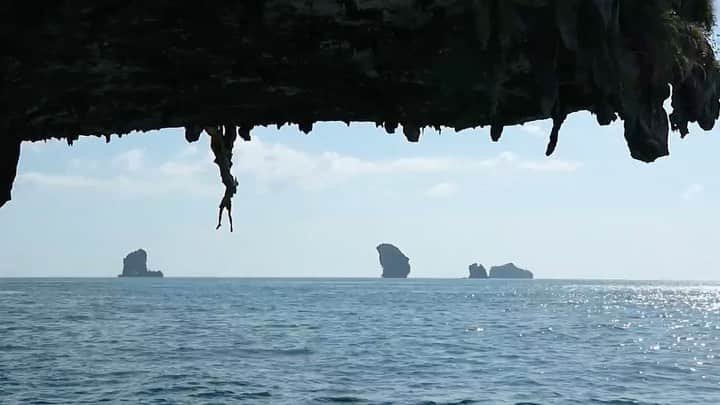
(317, 205)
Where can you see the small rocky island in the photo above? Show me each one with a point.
(509, 271)
(505, 271)
(477, 271)
(135, 265)
(394, 263)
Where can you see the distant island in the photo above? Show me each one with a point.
(135, 265)
(394, 263)
(477, 271)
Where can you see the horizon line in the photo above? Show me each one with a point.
(357, 278)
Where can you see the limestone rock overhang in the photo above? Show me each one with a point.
(108, 67)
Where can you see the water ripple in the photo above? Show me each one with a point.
(358, 341)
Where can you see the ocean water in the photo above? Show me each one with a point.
(256, 341)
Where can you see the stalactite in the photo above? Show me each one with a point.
(192, 133)
(9, 157)
(244, 132)
(504, 62)
(496, 132)
(558, 120)
(411, 132)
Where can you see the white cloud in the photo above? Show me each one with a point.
(551, 166)
(276, 162)
(535, 130)
(84, 165)
(132, 174)
(188, 152)
(63, 181)
(693, 192)
(39, 146)
(178, 169)
(131, 161)
(191, 170)
(443, 190)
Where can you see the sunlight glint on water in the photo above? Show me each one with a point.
(364, 341)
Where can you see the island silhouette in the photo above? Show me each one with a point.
(394, 262)
(509, 270)
(477, 271)
(135, 265)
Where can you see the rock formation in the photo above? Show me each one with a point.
(394, 263)
(222, 67)
(477, 271)
(509, 271)
(135, 265)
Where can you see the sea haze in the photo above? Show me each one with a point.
(280, 341)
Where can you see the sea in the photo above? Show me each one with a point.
(358, 341)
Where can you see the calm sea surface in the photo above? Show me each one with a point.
(360, 341)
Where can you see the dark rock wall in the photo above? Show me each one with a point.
(509, 271)
(477, 271)
(394, 263)
(107, 67)
(135, 265)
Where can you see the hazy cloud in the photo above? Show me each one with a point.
(550, 166)
(535, 130)
(131, 161)
(131, 173)
(192, 170)
(443, 190)
(38, 146)
(277, 162)
(693, 192)
(62, 181)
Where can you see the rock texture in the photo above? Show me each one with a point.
(394, 263)
(477, 271)
(221, 67)
(509, 271)
(135, 265)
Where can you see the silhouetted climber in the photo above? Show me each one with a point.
(222, 140)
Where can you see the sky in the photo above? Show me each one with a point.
(317, 205)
